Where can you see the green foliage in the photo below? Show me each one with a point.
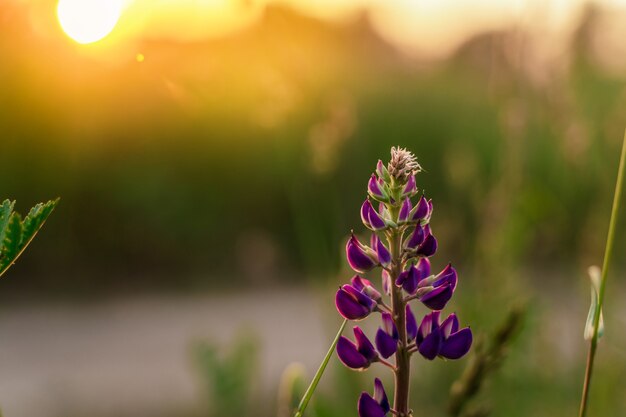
(229, 378)
(15, 233)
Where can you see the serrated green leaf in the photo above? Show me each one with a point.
(11, 242)
(18, 234)
(5, 215)
(35, 219)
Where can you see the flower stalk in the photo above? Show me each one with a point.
(608, 252)
(401, 244)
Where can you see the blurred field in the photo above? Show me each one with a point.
(236, 165)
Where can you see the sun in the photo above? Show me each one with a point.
(88, 21)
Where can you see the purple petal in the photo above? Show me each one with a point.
(429, 323)
(447, 276)
(364, 345)
(374, 188)
(403, 216)
(353, 305)
(369, 407)
(438, 297)
(384, 257)
(420, 210)
(411, 324)
(389, 325)
(429, 347)
(423, 269)
(358, 259)
(385, 344)
(409, 280)
(386, 282)
(450, 325)
(365, 209)
(457, 345)
(416, 238)
(349, 355)
(380, 396)
(365, 286)
(428, 247)
(376, 221)
(410, 186)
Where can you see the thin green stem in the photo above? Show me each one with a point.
(304, 402)
(608, 252)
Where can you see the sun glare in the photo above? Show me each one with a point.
(88, 21)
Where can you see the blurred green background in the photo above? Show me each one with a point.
(238, 164)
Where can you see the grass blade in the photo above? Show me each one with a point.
(318, 375)
(608, 252)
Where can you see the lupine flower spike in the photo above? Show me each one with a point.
(401, 245)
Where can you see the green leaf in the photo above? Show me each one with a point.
(11, 242)
(35, 219)
(16, 234)
(5, 215)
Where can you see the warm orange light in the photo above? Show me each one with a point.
(88, 21)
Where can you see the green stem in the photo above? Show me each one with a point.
(304, 402)
(608, 251)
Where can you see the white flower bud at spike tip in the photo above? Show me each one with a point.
(402, 165)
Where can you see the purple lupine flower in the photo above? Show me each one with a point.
(387, 337)
(376, 406)
(382, 171)
(375, 189)
(445, 339)
(428, 337)
(353, 304)
(365, 213)
(411, 324)
(384, 256)
(365, 286)
(443, 286)
(422, 211)
(405, 210)
(371, 218)
(360, 257)
(429, 246)
(411, 278)
(456, 343)
(392, 187)
(415, 239)
(411, 187)
(359, 355)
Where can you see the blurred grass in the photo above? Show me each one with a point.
(275, 160)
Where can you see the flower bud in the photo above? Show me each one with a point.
(382, 172)
(377, 406)
(375, 189)
(422, 211)
(353, 304)
(357, 355)
(410, 188)
(387, 337)
(405, 210)
(360, 257)
(415, 239)
(384, 256)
